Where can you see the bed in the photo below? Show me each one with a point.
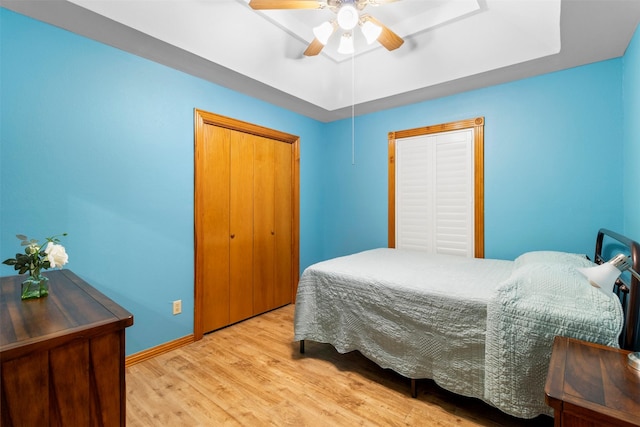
(478, 327)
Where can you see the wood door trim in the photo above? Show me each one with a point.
(245, 127)
(477, 124)
(201, 119)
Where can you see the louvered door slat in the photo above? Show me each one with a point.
(434, 193)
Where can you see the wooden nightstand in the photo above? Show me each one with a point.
(591, 385)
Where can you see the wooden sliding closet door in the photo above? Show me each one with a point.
(229, 227)
(213, 251)
(264, 223)
(246, 220)
(273, 225)
(241, 231)
(284, 225)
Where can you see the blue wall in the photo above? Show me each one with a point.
(631, 138)
(553, 165)
(98, 143)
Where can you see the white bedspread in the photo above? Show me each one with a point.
(425, 316)
(420, 315)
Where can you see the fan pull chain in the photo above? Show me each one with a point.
(353, 108)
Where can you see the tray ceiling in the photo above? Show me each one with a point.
(450, 45)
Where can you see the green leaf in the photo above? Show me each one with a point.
(10, 261)
(21, 236)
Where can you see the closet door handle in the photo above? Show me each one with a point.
(273, 233)
(233, 235)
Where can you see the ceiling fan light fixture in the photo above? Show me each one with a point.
(370, 31)
(346, 44)
(348, 17)
(323, 31)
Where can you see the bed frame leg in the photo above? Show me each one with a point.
(302, 346)
(414, 391)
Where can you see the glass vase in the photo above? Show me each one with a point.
(36, 286)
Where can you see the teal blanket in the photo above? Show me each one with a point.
(539, 301)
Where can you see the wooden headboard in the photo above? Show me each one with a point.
(628, 290)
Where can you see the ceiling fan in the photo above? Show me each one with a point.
(347, 18)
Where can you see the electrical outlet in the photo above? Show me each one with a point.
(177, 306)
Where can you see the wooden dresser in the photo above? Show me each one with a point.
(590, 385)
(62, 355)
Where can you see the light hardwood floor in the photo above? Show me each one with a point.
(252, 374)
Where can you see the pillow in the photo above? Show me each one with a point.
(553, 257)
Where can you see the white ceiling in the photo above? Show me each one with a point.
(450, 45)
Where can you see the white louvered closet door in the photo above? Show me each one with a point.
(435, 193)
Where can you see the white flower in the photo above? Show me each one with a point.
(56, 255)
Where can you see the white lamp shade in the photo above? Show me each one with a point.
(346, 44)
(371, 31)
(348, 17)
(323, 32)
(602, 276)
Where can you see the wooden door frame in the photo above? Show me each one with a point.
(477, 124)
(201, 119)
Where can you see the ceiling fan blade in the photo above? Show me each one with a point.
(314, 48)
(387, 38)
(379, 2)
(286, 4)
